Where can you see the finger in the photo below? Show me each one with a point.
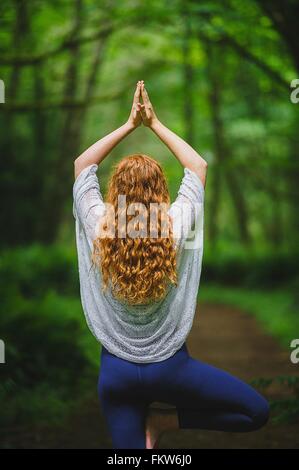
(139, 106)
(148, 113)
(138, 110)
(144, 93)
(137, 93)
(143, 114)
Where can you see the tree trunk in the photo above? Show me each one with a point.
(188, 76)
(12, 166)
(54, 180)
(70, 141)
(284, 16)
(221, 154)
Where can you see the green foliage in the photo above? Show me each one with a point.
(31, 271)
(62, 102)
(51, 357)
(275, 309)
(217, 72)
(284, 409)
(252, 268)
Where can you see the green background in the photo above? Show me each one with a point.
(219, 74)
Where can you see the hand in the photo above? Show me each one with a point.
(147, 111)
(135, 116)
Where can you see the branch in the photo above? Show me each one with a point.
(248, 55)
(66, 44)
(74, 104)
(257, 61)
(148, 70)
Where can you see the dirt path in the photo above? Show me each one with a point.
(226, 338)
(229, 339)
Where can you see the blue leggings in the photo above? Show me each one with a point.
(205, 397)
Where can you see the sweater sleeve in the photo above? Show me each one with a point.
(88, 204)
(188, 208)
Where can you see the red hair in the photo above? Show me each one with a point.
(140, 268)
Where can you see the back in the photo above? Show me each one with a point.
(151, 332)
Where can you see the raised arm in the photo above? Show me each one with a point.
(186, 155)
(98, 151)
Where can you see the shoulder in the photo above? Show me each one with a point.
(85, 174)
(192, 186)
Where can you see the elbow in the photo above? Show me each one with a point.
(201, 170)
(204, 164)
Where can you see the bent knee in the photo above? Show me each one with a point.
(261, 414)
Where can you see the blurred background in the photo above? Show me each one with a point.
(219, 74)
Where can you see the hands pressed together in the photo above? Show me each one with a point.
(142, 113)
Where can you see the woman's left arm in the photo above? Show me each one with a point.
(98, 151)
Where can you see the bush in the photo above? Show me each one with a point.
(33, 270)
(247, 268)
(285, 410)
(50, 353)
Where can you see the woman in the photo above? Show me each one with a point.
(139, 278)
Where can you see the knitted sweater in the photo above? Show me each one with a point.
(141, 333)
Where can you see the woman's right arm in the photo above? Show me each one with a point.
(186, 155)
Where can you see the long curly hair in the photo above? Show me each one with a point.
(137, 253)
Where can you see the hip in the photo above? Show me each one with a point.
(182, 351)
(122, 376)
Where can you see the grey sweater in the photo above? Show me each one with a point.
(141, 333)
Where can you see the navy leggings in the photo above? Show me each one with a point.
(205, 397)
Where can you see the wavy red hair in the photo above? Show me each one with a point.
(140, 268)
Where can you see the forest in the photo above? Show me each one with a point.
(224, 75)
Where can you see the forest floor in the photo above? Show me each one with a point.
(224, 337)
